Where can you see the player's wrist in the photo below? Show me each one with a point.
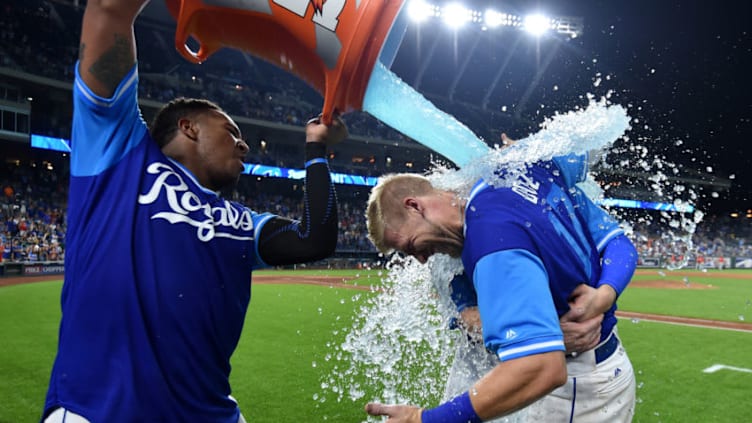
(457, 410)
(315, 150)
(606, 296)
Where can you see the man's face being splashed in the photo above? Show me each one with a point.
(431, 227)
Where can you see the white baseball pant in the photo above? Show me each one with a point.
(594, 393)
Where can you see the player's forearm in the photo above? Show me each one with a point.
(320, 199)
(605, 297)
(124, 11)
(510, 386)
(108, 51)
(517, 383)
(314, 237)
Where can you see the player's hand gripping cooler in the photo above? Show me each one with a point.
(342, 48)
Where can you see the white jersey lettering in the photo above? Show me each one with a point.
(186, 207)
(527, 188)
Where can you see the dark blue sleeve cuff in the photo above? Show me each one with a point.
(463, 292)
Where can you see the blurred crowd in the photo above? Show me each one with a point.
(34, 196)
(677, 240)
(32, 213)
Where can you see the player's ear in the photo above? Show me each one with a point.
(188, 128)
(412, 204)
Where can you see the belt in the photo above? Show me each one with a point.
(606, 349)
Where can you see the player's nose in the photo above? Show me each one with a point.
(243, 146)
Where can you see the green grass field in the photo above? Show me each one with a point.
(282, 355)
(724, 295)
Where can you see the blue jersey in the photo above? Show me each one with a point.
(527, 247)
(156, 265)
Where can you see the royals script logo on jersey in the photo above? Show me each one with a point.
(185, 207)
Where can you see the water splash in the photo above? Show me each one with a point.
(592, 129)
(399, 347)
(665, 235)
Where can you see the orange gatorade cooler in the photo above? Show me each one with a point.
(333, 45)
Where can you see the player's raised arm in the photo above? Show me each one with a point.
(108, 47)
(314, 237)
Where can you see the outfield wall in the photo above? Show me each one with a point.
(695, 263)
(352, 260)
(358, 260)
(15, 269)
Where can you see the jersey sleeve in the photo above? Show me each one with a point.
(284, 241)
(602, 226)
(573, 168)
(618, 264)
(518, 314)
(104, 129)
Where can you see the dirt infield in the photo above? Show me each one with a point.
(28, 279)
(681, 279)
(669, 284)
(692, 274)
(339, 282)
(332, 281)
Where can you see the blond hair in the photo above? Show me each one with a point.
(385, 202)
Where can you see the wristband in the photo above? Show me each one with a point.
(458, 410)
(316, 160)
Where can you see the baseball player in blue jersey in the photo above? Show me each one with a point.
(158, 266)
(531, 246)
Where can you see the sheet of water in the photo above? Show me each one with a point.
(398, 105)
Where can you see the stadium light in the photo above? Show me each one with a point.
(494, 18)
(419, 10)
(537, 24)
(456, 15)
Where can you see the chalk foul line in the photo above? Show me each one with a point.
(716, 367)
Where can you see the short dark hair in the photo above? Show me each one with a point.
(165, 124)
